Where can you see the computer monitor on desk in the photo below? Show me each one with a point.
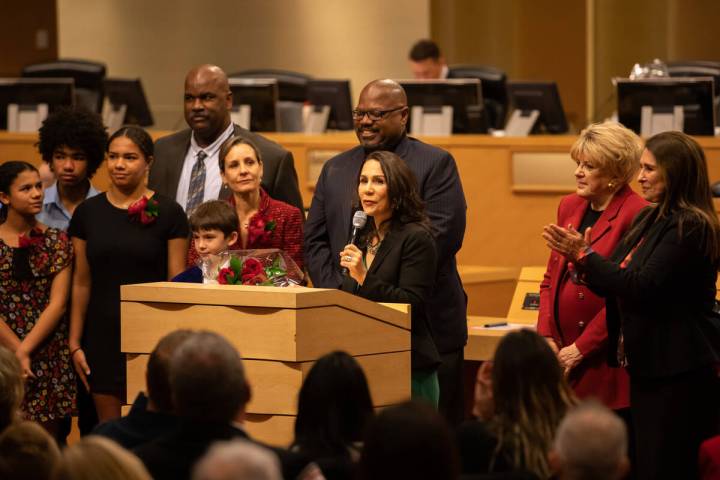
(653, 105)
(441, 107)
(26, 102)
(254, 103)
(334, 94)
(125, 103)
(536, 108)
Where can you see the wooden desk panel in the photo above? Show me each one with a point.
(503, 227)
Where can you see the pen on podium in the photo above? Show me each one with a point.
(496, 324)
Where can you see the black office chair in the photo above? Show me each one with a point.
(699, 68)
(493, 83)
(292, 86)
(88, 78)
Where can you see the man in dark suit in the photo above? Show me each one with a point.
(380, 120)
(210, 392)
(186, 163)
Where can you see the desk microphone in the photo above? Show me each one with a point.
(358, 222)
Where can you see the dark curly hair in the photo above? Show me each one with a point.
(76, 128)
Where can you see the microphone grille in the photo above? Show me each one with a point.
(359, 219)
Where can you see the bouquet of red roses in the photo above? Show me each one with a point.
(270, 267)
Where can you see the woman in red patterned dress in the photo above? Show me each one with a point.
(34, 286)
(264, 221)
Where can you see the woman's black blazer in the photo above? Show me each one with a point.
(663, 299)
(403, 271)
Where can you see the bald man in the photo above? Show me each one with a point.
(380, 120)
(208, 101)
(591, 443)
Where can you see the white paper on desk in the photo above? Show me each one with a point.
(509, 326)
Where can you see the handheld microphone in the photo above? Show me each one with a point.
(358, 222)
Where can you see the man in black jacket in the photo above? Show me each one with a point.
(151, 416)
(210, 392)
(380, 120)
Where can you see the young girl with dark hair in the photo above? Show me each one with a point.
(34, 286)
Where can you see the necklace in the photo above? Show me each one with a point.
(373, 249)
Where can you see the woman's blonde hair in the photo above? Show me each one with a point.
(614, 149)
(97, 457)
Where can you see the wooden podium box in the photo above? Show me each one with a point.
(279, 332)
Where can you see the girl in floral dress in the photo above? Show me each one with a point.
(34, 287)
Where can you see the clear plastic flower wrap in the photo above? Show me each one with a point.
(267, 267)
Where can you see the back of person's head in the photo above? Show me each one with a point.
(530, 396)
(237, 460)
(207, 379)
(96, 457)
(409, 441)
(76, 128)
(590, 444)
(27, 451)
(157, 375)
(424, 49)
(11, 387)
(682, 165)
(215, 215)
(334, 406)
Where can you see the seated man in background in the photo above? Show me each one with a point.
(150, 416)
(210, 393)
(591, 443)
(186, 164)
(426, 61)
(72, 142)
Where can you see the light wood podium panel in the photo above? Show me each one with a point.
(512, 185)
(279, 332)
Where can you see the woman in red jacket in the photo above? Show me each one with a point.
(264, 221)
(572, 318)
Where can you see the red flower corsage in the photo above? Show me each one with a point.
(145, 210)
(260, 229)
(34, 237)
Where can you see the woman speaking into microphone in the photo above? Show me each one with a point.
(395, 259)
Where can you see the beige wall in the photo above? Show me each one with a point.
(160, 40)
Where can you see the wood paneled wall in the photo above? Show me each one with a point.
(21, 22)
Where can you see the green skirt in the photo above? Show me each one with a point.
(425, 387)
